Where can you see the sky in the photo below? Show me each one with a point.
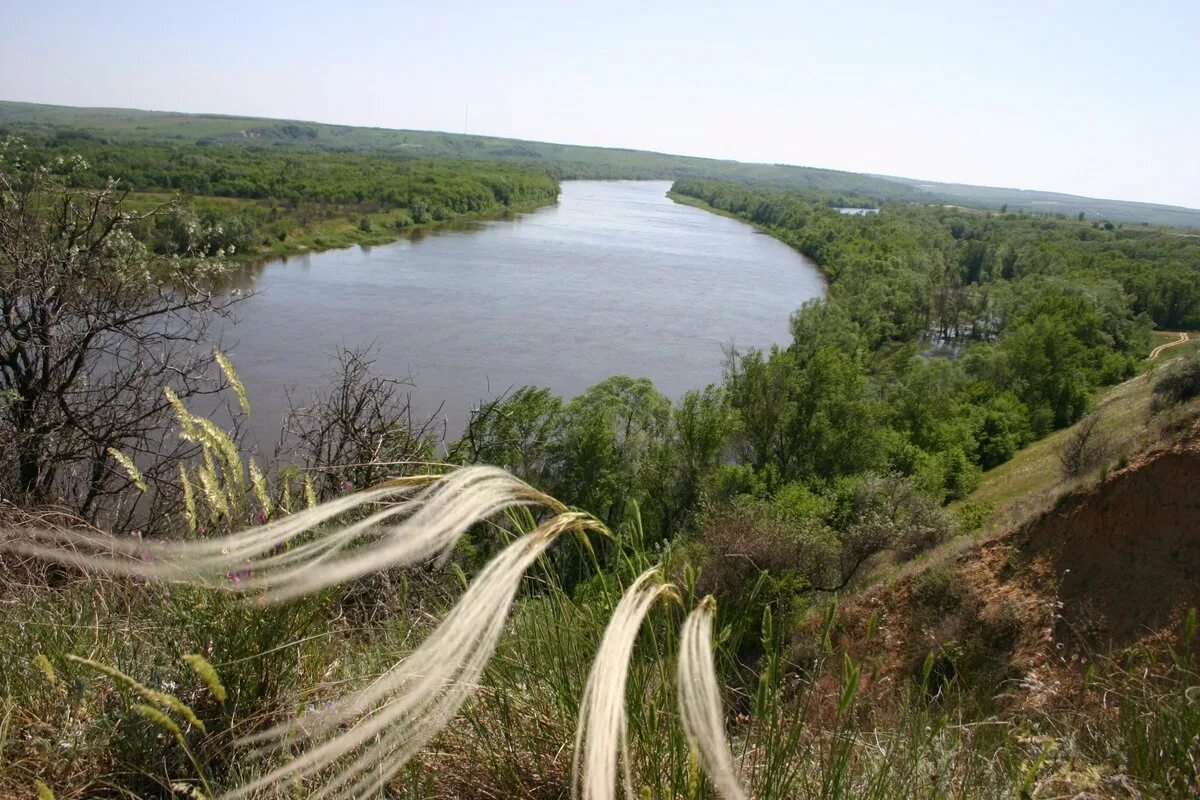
(1095, 98)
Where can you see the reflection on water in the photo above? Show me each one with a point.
(614, 279)
(245, 275)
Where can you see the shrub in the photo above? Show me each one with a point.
(1086, 447)
(1179, 382)
(889, 512)
(751, 555)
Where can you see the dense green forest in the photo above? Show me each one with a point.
(262, 201)
(121, 126)
(957, 272)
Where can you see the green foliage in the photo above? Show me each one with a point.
(914, 268)
(1033, 315)
(836, 189)
(614, 446)
(253, 200)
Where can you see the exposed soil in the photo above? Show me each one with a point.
(1110, 566)
(1183, 339)
(1127, 553)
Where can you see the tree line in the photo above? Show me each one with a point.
(251, 198)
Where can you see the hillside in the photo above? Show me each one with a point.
(561, 161)
(1111, 565)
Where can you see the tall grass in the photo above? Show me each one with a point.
(794, 732)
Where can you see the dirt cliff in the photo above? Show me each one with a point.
(1110, 566)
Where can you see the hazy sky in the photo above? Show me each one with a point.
(1096, 98)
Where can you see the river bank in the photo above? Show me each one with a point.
(695, 202)
(317, 228)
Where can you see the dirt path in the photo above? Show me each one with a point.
(1183, 337)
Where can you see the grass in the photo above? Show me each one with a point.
(1032, 478)
(799, 728)
(795, 733)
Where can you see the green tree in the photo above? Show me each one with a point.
(615, 447)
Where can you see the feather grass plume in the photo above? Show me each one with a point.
(365, 738)
(700, 701)
(405, 521)
(234, 381)
(208, 674)
(600, 738)
(369, 736)
(135, 474)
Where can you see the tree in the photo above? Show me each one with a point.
(702, 424)
(1047, 366)
(93, 329)
(360, 429)
(615, 447)
(758, 390)
(517, 431)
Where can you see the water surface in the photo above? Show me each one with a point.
(614, 279)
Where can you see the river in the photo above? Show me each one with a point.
(616, 278)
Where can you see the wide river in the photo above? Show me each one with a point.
(614, 279)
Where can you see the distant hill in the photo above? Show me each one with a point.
(561, 161)
(1055, 203)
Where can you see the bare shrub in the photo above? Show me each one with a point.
(744, 543)
(891, 513)
(1178, 383)
(1086, 448)
(93, 328)
(359, 429)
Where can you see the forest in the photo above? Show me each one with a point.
(257, 201)
(1035, 314)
